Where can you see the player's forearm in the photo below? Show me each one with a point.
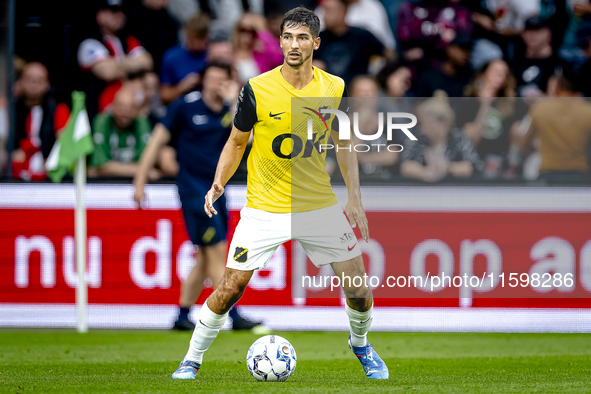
(347, 159)
(118, 169)
(169, 93)
(229, 160)
(160, 136)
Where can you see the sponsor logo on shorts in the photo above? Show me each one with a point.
(346, 237)
(208, 235)
(240, 254)
(352, 247)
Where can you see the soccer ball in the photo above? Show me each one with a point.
(271, 359)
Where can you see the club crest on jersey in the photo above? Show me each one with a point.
(240, 254)
(200, 119)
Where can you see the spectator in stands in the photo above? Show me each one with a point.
(256, 50)
(534, 66)
(39, 119)
(364, 91)
(563, 127)
(488, 42)
(273, 15)
(440, 149)
(222, 51)
(157, 31)
(575, 16)
(427, 27)
(368, 15)
(344, 50)
(489, 118)
(395, 79)
(510, 16)
(182, 63)
(153, 108)
(181, 11)
(584, 41)
(453, 75)
(111, 54)
(119, 138)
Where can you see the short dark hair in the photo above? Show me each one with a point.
(216, 64)
(199, 24)
(386, 71)
(301, 16)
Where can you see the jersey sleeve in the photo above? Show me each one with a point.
(246, 109)
(172, 119)
(343, 107)
(90, 52)
(143, 133)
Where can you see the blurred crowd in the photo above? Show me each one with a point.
(498, 86)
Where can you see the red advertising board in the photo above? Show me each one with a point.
(141, 256)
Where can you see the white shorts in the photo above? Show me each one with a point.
(325, 234)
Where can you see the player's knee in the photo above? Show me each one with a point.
(358, 292)
(360, 296)
(360, 304)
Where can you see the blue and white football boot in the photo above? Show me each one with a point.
(372, 364)
(187, 370)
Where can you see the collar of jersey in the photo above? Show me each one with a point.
(299, 92)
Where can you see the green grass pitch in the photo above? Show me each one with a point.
(103, 361)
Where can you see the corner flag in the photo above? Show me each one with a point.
(75, 141)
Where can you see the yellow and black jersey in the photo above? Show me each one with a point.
(286, 170)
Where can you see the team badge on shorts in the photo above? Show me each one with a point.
(240, 254)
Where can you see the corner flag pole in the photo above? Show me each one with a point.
(69, 151)
(80, 235)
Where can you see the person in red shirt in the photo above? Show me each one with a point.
(39, 119)
(110, 56)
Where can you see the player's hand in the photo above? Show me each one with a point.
(229, 90)
(356, 215)
(212, 195)
(139, 195)
(154, 174)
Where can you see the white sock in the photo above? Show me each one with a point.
(359, 323)
(206, 330)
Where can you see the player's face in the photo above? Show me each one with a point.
(214, 81)
(297, 45)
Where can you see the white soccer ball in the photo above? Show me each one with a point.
(271, 359)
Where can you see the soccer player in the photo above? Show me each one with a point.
(275, 200)
(198, 125)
